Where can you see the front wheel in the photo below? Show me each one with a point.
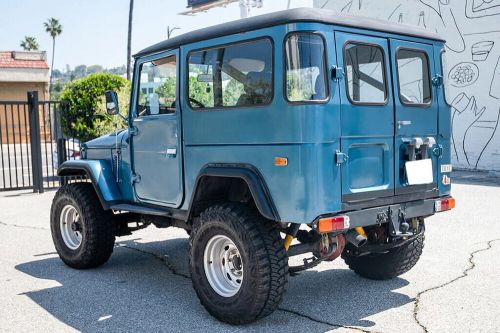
(82, 231)
(238, 264)
(383, 266)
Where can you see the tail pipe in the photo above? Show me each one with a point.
(356, 237)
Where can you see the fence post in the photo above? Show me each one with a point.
(35, 142)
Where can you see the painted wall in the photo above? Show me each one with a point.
(472, 31)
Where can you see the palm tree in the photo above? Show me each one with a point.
(129, 39)
(29, 44)
(54, 28)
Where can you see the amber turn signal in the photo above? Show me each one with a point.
(280, 161)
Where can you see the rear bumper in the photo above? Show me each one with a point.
(394, 214)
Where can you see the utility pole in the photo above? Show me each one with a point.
(169, 31)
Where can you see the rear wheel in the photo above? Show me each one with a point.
(383, 266)
(82, 231)
(238, 264)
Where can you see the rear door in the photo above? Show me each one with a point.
(367, 117)
(416, 116)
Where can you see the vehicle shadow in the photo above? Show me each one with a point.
(135, 290)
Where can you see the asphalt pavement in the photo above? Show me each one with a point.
(145, 286)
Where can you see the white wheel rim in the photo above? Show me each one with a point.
(223, 266)
(71, 227)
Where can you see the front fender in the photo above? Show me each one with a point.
(101, 175)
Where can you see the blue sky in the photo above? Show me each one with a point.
(95, 31)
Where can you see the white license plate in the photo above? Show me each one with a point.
(419, 172)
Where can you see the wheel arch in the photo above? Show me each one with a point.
(228, 179)
(100, 174)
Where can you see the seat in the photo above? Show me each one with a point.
(257, 89)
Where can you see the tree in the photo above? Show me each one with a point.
(29, 44)
(85, 118)
(129, 38)
(54, 28)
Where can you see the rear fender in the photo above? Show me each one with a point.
(100, 174)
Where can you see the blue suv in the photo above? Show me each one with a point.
(301, 132)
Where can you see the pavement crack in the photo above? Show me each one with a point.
(22, 226)
(472, 265)
(324, 322)
(163, 259)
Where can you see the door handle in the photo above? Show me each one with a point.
(403, 123)
(171, 152)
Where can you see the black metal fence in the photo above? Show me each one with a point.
(32, 144)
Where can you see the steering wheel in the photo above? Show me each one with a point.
(198, 103)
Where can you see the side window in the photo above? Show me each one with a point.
(305, 68)
(157, 87)
(365, 73)
(413, 77)
(237, 75)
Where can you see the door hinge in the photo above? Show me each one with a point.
(133, 131)
(437, 80)
(337, 73)
(136, 178)
(340, 157)
(438, 151)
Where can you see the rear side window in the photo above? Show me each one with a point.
(413, 77)
(305, 68)
(237, 75)
(365, 73)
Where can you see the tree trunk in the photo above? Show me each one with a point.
(129, 39)
(52, 65)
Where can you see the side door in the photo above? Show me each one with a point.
(416, 124)
(367, 117)
(156, 131)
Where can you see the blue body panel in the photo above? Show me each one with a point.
(100, 172)
(308, 135)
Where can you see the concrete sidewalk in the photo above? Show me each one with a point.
(146, 287)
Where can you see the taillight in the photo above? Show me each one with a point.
(444, 204)
(335, 223)
(76, 153)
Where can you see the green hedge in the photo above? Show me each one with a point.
(86, 118)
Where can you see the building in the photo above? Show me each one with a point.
(22, 71)
(472, 31)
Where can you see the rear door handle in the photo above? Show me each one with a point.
(403, 123)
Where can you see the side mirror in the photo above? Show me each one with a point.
(112, 102)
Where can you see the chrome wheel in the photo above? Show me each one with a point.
(223, 266)
(71, 227)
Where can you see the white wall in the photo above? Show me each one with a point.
(472, 31)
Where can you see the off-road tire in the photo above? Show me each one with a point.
(264, 259)
(98, 236)
(383, 266)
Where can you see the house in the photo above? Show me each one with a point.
(22, 71)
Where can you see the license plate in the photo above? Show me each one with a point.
(419, 172)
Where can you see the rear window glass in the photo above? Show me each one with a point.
(305, 68)
(365, 73)
(237, 75)
(413, 77)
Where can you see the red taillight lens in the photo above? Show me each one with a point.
(330, 224)
(444, 204)
(76, 153)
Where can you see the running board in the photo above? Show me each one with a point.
(168, 212)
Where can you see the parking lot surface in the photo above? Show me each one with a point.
(145, 286)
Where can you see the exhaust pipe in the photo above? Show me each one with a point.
(355, 238)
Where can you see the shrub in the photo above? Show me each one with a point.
(85, 117)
